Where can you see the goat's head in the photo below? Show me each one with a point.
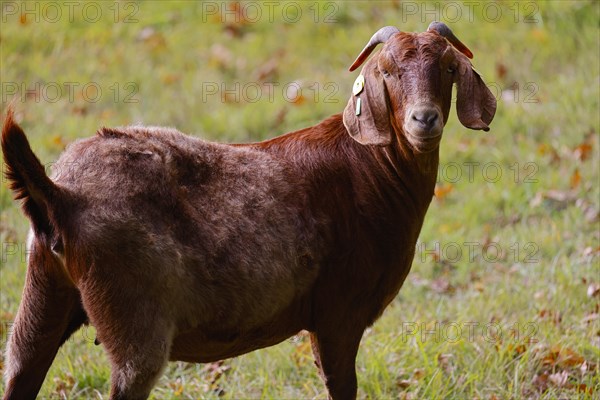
(407, 86)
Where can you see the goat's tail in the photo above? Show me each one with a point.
(27, 178)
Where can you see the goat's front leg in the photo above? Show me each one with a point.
(335, 355)
(49, 313)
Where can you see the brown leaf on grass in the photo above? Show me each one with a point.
(540, 382)
(442, 286)
(553, 315)
(79, 110)
(583, 388)
(235, 19)
(418, 373)
(294, 94)
(569, 358)
(478, 286)
(177, 387)
(441, 191)
(590, 251)
(501, 70)
(221, 56)
(235, 13)
(586, 367)
(551, 356)
(57, 142)
(593, 290)
(445, 362)
(154, 39)
(64, 386)
(591, 213)
(555, 199)
(299, 100)
(575, 179)
(560, 380)
(405, 383)
(213, 372)
(563, 357)
(515, 350)
(217, 370)
(169, 79)
(539, 294)
(582, 151)
(545, 148)
(590, 318)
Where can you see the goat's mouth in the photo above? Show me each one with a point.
(424, 141)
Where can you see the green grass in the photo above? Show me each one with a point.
(534, 292)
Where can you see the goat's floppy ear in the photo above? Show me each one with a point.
(369, 121)
(475, 105)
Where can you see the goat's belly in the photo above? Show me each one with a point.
(188, 347)
(199, 346)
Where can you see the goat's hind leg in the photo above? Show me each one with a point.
(49, 313)
(137, 366)
(138, 340)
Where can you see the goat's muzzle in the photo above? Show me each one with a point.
(424, 124)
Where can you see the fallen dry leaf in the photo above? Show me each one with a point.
(555, 199)
(442, 286)
(575, 179)
(177, 387)
(540, 382)
(583, 388)
(560, 379)
(570, 358)
(445, 362)
(501, 70)
(418, 373)
(441, 191)
(405, 383)
(553, 315)
(64, 386)
(590, 317)
(582, 151)
(593, 290)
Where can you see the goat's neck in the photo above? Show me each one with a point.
(400, 177)
(416, 172)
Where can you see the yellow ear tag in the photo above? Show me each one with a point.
(358, 106)
(359, 84)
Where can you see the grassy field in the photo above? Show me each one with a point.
(503, 300)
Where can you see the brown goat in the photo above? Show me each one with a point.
(179, 249)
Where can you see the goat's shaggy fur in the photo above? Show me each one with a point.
(179, 249)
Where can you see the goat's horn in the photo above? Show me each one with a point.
(444, 31)
(381, 36)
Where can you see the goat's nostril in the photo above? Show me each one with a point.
(426, 117)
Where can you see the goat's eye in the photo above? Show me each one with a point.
(385, 73)
(451, 70)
